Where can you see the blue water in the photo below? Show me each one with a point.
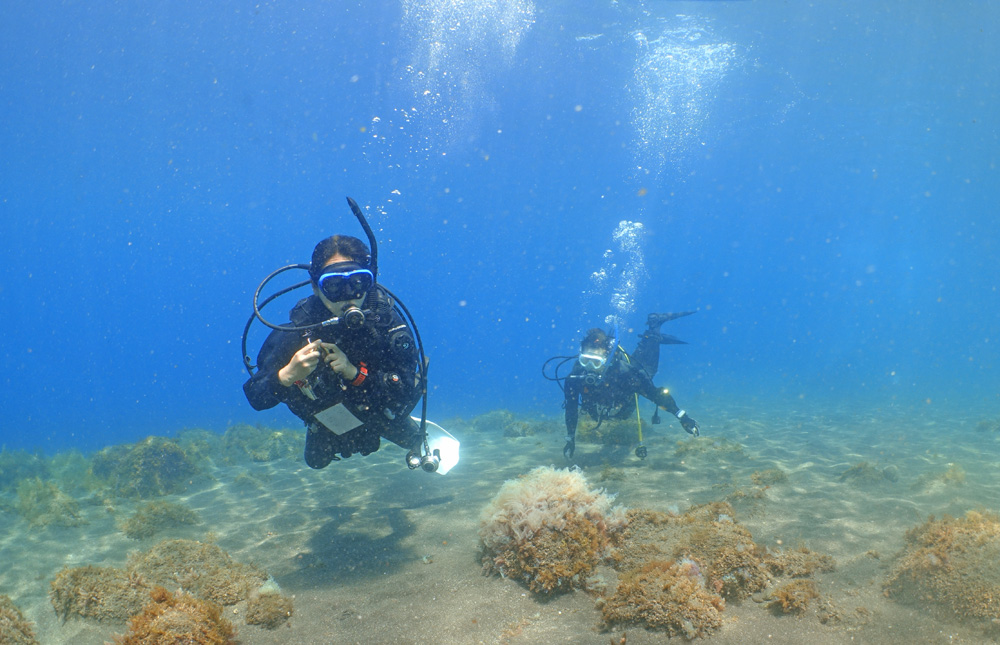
(819, 180)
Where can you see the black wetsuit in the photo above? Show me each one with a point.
(381, 402)
(613, 395)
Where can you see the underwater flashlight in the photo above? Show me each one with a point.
(431, 462)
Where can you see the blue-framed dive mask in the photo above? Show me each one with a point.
(345, 281)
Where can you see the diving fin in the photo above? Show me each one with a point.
(652, 320)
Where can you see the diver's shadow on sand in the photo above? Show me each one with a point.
(354, 544)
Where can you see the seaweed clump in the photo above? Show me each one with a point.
(801, 563)
(668, 596)
(493, 422)
(953, 564)
(203, 569)
(14, 629)
(100, 593)
(769, 477)
(178, 618)
(243, 441)
(504, 422)
(707, 446)
(16, 465)
(268, 609)
(953, 476)
(151, 468)
(868, 474)
(153, 517)
(793, 597)
(113, 594)
(548, 530)
(610, 432)
(988, 425)
(732, 564)
(677, 571)
(42, 503)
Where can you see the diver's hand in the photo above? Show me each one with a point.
(570, 447)
(690, 425)
(337, 360)
(302, 364)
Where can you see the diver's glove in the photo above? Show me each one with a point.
(689, 424)
(570, 447)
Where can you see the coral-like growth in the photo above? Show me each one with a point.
(42, 503)
(547, 529)
(172, 619)
(793, 597)
(243, 442)
(14, 629)
(953, 564)
(269, 610)
(203, 569)
(145, 470)
(731, 563)
(152, 517)
(669, 596)
(101, 593)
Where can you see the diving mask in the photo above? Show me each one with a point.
(593, 362)
(345, 281)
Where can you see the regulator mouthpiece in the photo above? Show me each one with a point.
(353, 317)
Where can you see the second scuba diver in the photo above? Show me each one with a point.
(606, 381)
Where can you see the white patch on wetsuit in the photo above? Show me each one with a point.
(338, 419)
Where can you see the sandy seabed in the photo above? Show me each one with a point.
(374, 553)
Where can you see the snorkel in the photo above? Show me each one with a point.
(372, 242)
(426, 460)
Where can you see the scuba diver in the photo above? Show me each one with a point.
(348, 363)
(606, 382)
